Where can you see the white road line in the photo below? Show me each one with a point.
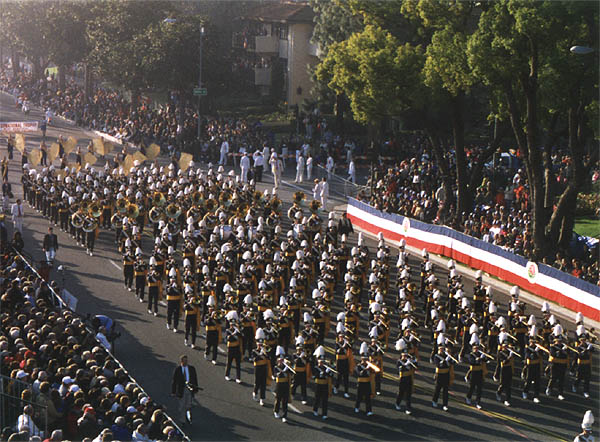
(115, 264)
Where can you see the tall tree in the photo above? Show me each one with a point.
(521, 50)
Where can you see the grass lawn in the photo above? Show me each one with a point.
(587, 227)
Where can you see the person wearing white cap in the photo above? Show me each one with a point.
(154, 281)
(586, 426)
(140, 272)
(233, 338)
(173, 294)
(322, 374)
(281, 376)
(262, 367)
(363, 372)
(128, 261)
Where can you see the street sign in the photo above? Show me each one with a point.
(202, 91)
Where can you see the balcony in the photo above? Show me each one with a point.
(262, 76)
(266, 44)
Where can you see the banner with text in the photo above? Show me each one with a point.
(19, 126)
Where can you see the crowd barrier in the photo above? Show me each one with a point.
(61, 303)
(540, 279)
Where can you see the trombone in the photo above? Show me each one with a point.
(541, 347)
(487, 355)
(451, 357)
(514, 352)
(373, 367)
(286, 364)
(330, 368)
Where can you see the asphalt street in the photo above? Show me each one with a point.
(226, 411)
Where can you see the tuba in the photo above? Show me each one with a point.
(197, 198)
(122, 206)
(95, 209)
(158, 199)
(133, 211)
(156, 214)
(173, 211)
(84, 206)
(77, 220)
(194, 213)
(225, 199)
(211, 205)
(292, 212)
(116, 221)
(89, 224)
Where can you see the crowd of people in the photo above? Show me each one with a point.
(272, 293)
(55, 372)
(501, 214)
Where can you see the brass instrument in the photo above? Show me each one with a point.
(225, 198)
(211, 204)
(314, 206)
(173, 211)
(487, 355)
(541, 347)
(77, 220)
(298, 197)
(133, 211)
(116, 221)
(194, 213)
(451, 357)
(89, 224)
(121, 206)
(258, 196)
(95, 209)
(513, 352)
(373, 367)
(158, 199)
(84, 205)
(197, 198)
(156, 214)
(330, 368)
(286, 363)
(292, 212)
(275, 204)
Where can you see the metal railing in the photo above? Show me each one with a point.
(340, 186)
(12, 406)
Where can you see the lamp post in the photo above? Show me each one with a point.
(174, 20)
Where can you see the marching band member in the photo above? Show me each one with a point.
(406, 370)
(323, 376)
(364, 375)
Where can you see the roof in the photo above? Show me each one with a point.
(283, 12)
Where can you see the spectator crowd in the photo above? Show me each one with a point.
(65, 385)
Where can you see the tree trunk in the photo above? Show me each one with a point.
(445, 172)
(458, 132)
(62, 77)
(15, 62)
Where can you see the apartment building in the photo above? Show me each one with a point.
(273, 46)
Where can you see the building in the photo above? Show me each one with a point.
(273, 46)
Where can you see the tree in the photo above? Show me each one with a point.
(28, 33)
(334, 23)
(521, 50)
(365, 67)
